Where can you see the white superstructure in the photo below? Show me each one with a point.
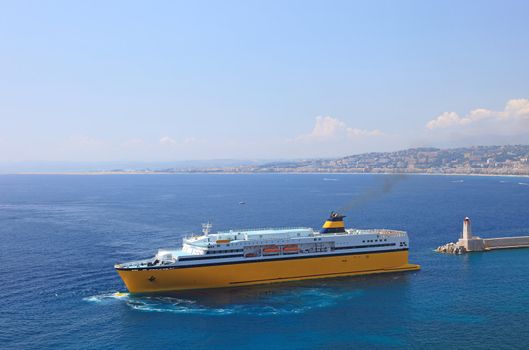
(265, 244)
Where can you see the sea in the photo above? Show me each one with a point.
(60, 236)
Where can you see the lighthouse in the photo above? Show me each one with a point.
(467, 229)
(469, 242)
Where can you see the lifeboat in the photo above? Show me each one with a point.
(271, 249)
(219, 241)
(291, 249)
(250, 255)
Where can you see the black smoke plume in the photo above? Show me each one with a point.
(373, 193)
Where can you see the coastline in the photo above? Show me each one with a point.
(100, 173)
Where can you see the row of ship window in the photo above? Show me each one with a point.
(228, 244)
(224, 251)
(241, 250)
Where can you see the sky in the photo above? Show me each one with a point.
(170, 81)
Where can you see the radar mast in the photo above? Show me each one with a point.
(206, 227)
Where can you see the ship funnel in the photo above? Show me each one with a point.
(334, 224)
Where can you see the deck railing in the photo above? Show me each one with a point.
(246, 230)
(382, 232)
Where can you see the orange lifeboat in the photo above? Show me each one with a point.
(271, 249)
(291, 249)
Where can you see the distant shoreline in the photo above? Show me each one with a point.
(100, 173)
(506, 160)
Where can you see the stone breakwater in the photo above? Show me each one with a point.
(451, 248)
(469, 243)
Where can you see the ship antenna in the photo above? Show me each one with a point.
(206, 227)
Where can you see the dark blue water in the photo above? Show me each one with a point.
(61, 235)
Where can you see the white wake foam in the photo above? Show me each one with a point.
(295, 301)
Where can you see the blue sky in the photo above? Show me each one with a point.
(162, 81)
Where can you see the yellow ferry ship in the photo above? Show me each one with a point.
(256, 256)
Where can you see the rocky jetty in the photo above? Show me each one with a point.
(451, 248)
(469, 243)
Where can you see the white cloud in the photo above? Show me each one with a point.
(353, 132)
(328, 128)
(481, 119)
(518, 108)
(444, 120)
(166, 140)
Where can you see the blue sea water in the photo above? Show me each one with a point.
(60, 236)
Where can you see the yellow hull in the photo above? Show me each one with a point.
(248, 273)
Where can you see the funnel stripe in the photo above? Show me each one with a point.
(333, 224)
